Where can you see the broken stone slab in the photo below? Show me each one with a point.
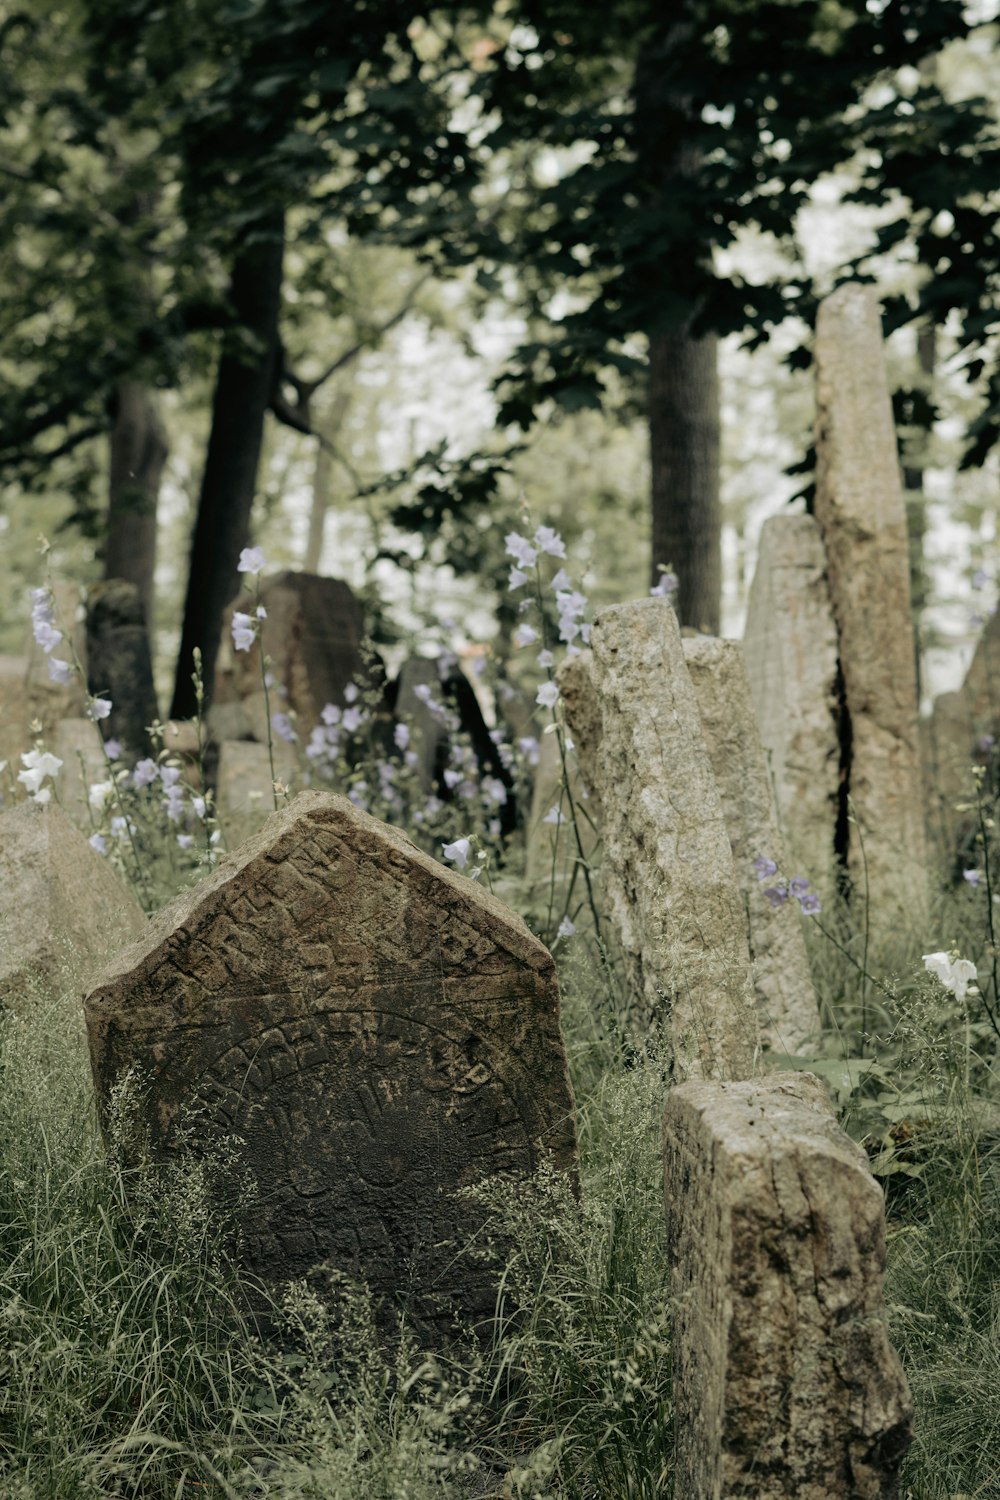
(244, 789)
(312, 635)
(668, 875)
(860, 510)
(77, 743)
(63, 909)
(786, 1000)
(120, 664)
(790, 647)
(376, 1031)
(785, 1382)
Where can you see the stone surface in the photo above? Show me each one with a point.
(860, 510)
(63, 909)
(15, 736)
(378, 1032)
(668, 876)
(77, 743)
(786, 1000)
(244, 789)
(583, 717)
(49, 701)
(119, 664)
(312, 634)
(785, 1382)
(790, 646)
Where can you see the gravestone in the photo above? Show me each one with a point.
(244, 794)
(785, 1383)
(77, 743)
(786, 1000)
(312, 634)
(15, 735)
(668, 870)
(119, 664)
(377, 1031)
(63, 909)
(860, 510)
(582, 709)
(790, 647)
(49, 701)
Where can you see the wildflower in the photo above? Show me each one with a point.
(113, 748)
(668, 583)
(809, 904)
(401, 736)
(173, 803)
(98, 842)
(545, 659)
(518, 578)
(99, 794)
(764, 868)
(185, 840)
(282, 726)
(798, 885)
(776, 894)
(331, 714)
(145, 773)
(525, 635)
(980, 578)
(973, 877)
(494, 791)
(60, 671)
(351, 693)
(251, 560)
(547, 695)
(458, 852)
(38, 764)
(352, 720)
(529, 748)
(100, 708)
(547, 540)
(452, 779)
(170, 776)
(985, 743)
(199, 805)
(244, 633)
(561, 583)
(956, 974)
(565, 929)
(520, 549)
(554, 815)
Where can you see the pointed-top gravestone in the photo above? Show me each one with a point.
(377, 1032)
(860, 510)
(63, 909)
(668, 866)
(790, 647)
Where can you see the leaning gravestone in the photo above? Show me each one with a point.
(668, 867)
(786, 1000)
(119, 663)
(376, 1031)
(859, 507)
(77, 743)
(312, 635)
(785, 1383)
(63, 909)
(790, 646)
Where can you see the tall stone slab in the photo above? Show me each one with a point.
(119, 663)
(376, 1031)
(859, 507)
(786, 1000)
(63, 910)
(790, 646)
(77, 743)
(669, 881)
(785, 1383)
(312, 635)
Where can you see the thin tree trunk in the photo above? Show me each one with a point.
(138, 454)
(684, 431)
(916, 500)
(242, 395)
(328, 426)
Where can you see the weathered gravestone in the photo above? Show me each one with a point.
(668, 870)
(859, 507)
(312, 635)
(785, 1383)
(377, 1031)
(63, 909)
(790, 645)
(77, 743)
(119, 663)
(786, 1000)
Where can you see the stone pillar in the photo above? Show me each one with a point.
(786, 1000)
(859, 507)
(375, 1031)
(668, 874)
(790, 646)
(785, 1383)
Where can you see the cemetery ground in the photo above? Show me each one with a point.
(129, 1368)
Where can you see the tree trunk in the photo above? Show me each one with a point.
(684, 432)
(916, 501)
(242, 395)
(138, 455)
(328, 426)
